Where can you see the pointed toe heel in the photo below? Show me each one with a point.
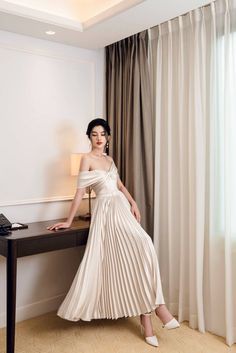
(152, 340)
(172, 324)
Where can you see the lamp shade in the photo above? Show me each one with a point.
(75, 160)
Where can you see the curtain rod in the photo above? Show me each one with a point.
(185, 14)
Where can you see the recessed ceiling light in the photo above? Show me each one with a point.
(50, 33)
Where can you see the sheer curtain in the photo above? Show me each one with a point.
(195, 166)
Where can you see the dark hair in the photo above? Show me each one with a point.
(98, 122)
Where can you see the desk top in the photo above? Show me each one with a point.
(37, 229)
(37, 238)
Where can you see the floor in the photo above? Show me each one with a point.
(50, 334)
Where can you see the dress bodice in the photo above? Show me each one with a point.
(104, 183)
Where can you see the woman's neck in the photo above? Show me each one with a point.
(98, 154)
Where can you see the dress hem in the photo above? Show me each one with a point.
(110, 318)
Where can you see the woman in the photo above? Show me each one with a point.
(119, 273)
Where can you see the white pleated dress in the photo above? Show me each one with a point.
(119, 273)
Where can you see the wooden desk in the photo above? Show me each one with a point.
(34, 240)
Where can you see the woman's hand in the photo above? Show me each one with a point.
(135, 211)
(57, 226)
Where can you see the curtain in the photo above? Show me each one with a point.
(195, 166)
(130, 115)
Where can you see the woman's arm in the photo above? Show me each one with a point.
(134, 207)
(73, 209)
(84, 165)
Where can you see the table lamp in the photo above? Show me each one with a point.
(75, 160)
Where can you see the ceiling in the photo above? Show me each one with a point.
(89, 24)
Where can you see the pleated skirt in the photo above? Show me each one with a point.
(119, 273)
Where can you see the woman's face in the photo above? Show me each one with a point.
(98, 137)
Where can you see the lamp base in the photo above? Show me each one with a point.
(85, 217)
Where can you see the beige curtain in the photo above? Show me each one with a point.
(195, 171)
(130, 115)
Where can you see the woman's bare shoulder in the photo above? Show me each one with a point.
(85, 162)
(110, 158)
(86, 155)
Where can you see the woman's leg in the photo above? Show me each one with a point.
(163, 313)
(145, 320)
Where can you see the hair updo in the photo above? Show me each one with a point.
(98, 122)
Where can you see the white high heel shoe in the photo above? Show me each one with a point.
(152, 340)
(173, 323)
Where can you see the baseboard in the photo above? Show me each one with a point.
(34, 309)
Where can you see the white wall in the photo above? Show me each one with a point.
(48, 94)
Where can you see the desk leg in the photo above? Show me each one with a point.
(11, 295)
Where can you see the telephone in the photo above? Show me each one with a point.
(5, 225)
